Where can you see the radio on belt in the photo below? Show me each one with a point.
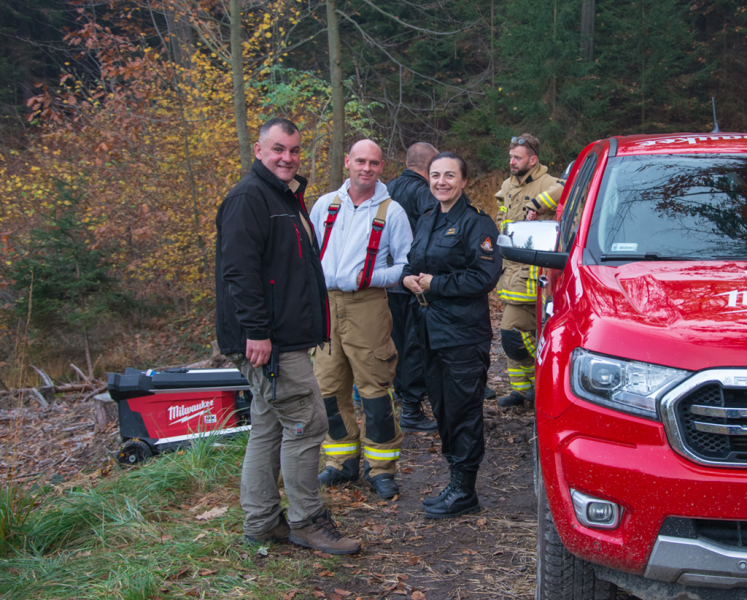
(164, 410)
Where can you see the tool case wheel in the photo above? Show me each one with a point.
(134, 452)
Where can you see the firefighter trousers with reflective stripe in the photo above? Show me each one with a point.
(286, 435)
(519, 341)
(361, 350)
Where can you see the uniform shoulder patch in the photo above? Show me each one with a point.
(477, 209)
(487, 245)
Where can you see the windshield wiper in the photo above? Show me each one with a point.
(728, 257)
(646, 256)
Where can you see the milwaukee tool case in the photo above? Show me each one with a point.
(162, 410)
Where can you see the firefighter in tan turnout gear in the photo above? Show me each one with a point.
(361, 226)
(530, 193)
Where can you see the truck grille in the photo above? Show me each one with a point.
(713, 423)
(728, 533)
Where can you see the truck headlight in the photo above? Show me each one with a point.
(626, 385)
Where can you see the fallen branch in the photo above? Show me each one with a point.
(58, 389)
(59, 462)
(45, 378)
(82, 375)
(95, 392)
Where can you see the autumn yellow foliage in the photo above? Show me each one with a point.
(152, 147)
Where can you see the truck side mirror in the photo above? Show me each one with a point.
(532, 243)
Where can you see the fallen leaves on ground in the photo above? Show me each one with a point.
(213, 513)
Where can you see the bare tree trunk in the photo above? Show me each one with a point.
(87, 345)
(338, 102)
(587, 30)
(239, 96)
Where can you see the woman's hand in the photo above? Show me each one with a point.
(425, 281)
(411, 283)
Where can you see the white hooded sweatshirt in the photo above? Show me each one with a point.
(346, 249)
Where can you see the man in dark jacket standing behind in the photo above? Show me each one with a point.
(412, 191)
(270, 291)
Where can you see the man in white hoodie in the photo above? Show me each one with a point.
(359, 226)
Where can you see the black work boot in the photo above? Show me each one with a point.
(489, 393)
(436, 499)
(512, 399)
(384, 486)
(461, 498)
(332, 476)
(412, 417)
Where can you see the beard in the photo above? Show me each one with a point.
(520, 172)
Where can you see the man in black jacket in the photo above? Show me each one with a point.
(412, 191)
(270, 291)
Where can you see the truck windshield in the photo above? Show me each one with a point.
(665, 207)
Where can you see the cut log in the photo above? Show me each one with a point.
(104, 411)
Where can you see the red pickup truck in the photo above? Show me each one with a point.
(641, 384)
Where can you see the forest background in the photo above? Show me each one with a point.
(119, 137)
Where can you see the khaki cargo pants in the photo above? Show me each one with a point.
(361, 350)
(286, 435)
(519, 340)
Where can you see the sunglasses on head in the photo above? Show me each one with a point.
(521, 141)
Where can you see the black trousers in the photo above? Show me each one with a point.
(456, 378)
(409, 381)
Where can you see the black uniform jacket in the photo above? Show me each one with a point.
(413, 193)
(268, 277)
(462, 256)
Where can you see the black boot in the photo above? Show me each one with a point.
(461, 499)
(512, 399)
(413, 418)
(384, 486)
(332, 476)
(436, 499)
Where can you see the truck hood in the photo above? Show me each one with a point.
(682, 307)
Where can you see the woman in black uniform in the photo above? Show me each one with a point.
(452, 266)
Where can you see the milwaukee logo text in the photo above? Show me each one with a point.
(179, 413)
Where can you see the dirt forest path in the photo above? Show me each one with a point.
(490, 554)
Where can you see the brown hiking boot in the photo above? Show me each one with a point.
(279, 533)
(323, 535)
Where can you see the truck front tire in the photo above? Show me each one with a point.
(560, 574)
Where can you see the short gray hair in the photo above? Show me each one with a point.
(288, 127)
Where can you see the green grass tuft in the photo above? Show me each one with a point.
(133, 535)
(15, 508)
